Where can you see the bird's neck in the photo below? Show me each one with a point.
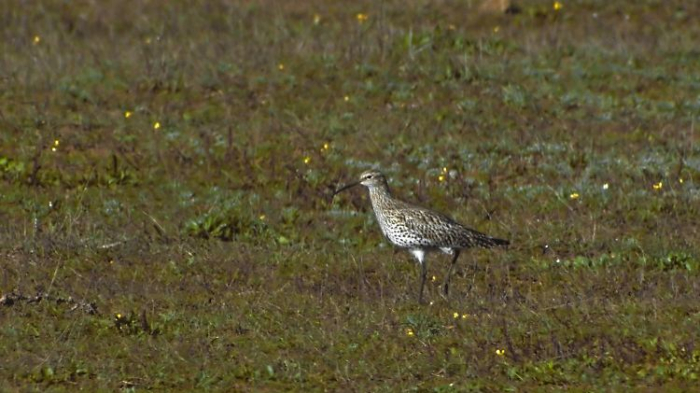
(379, 195)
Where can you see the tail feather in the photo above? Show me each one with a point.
(500, 242)
(486, 241)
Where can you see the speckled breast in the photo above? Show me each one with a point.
(400, 235)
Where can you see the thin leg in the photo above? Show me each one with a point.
(420, 256)
(446, 286)
(423, 276)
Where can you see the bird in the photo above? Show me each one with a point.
(417, 229)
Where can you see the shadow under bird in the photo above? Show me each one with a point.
(419, 230)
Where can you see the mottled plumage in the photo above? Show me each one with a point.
(417, 229)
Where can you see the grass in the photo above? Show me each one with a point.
(166, 172)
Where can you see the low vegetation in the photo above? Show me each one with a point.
(166, 172)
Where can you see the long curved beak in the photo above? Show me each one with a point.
(341, 189)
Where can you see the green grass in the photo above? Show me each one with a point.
(208, 254)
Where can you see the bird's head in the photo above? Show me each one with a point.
(371, 178)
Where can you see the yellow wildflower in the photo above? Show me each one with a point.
(574, 195)
(127, 114)
(280, 67)
(36, 40)
(361, 18)
(557, 5)
(409, 332)
(500, 352)
(156, 125)
(307, 160)
(658, 186)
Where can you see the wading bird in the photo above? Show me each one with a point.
(417, 229)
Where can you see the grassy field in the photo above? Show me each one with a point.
(166, 172)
